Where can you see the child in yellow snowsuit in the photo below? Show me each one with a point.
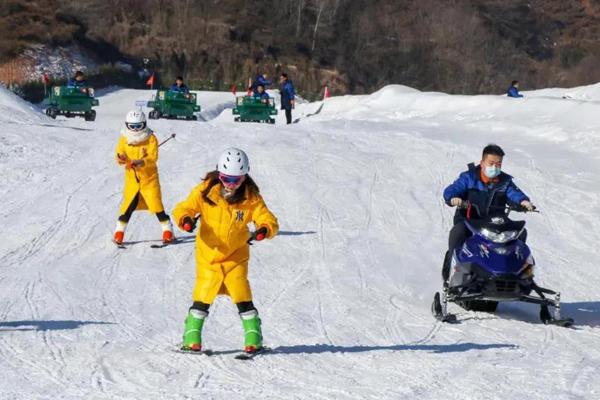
(137, 151)
(225, 202)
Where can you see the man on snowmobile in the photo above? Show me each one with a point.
(482, 189)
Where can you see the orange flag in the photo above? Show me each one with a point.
(150, 81)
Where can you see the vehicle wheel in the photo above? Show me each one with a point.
(90, 115)
(480, 305)
(194, 117)
(271, 121)
(237, 119)
(52, 112)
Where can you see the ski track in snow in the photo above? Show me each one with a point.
(344, 291)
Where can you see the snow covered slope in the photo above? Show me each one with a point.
(345, 289)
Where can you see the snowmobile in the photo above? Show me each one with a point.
(169, 104)
(493, 266)
(253, 109)
(72, 102)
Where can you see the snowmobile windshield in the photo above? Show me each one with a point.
(497, 229)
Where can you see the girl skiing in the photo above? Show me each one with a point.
(225, 202)
(137, 151)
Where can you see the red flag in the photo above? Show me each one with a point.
(150, 81)
(45, 78)
(249, 86)
(326, 94)
(233, 90)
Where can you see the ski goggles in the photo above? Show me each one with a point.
(230, 180)
(135, 126)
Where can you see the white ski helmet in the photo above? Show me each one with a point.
(135, 117)
(135, 130)
(233, 162)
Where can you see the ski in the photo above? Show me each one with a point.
(182, 350)
(119, 245)
(164, 244)
(250, 356)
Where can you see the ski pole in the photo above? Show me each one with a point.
(166, 140)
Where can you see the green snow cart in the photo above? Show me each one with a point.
(168, 104)
(253, 109)
(72, 102)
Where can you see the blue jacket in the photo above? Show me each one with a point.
(469, 186)
(181, 89)
(77, 84)
(287, 94)
(262, 96)
(260, 80)
(513, 92)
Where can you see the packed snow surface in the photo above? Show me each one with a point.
(344, 290)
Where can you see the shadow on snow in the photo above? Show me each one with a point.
(47, 325)
(434, 348)
(292, 233)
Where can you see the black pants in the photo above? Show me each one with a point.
(162, 216)
(288, 114)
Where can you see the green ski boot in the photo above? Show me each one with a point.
(192, 336)
(252, 331)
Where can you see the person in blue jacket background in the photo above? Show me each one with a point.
(513, 90)
(261, 80)
(78, 81)
(485, 188)
(288, 96)
(261, 94)
(179, 86)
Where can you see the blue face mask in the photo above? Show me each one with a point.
(491, 171)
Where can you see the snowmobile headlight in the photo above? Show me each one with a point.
(501, 237)
(91, 92)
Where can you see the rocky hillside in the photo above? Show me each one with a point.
(458, 46)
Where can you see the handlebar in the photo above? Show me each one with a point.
(506, 209)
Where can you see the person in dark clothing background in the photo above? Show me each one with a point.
(78, 80)
(288, 95)
(179, 86)
(513, 90)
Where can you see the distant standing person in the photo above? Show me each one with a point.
(513, 90)
(288, 102)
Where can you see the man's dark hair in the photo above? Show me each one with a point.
(493, 149)
(284, 75)
(514, 83)
(179, 78)
(78, 73)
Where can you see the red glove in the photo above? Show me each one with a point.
(188, 224)
(258, 235)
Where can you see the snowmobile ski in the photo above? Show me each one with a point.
(438, 311)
